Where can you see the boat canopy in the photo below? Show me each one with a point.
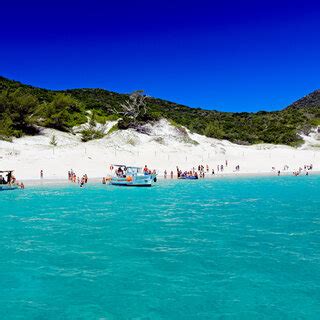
(123, 165)
(4, 171)
(134, 169)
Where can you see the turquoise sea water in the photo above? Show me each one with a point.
(243, 248)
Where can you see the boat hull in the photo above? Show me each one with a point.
(135, 181)
(130, 184)
(7, 188)
(188, 178)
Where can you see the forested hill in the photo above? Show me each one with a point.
(311, 100)
(23, 108)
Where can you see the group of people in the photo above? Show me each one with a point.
(73, 178)
(166, 173)
(200, 171)
(190, 175)
(121, 171)
(299, 172)
(83, 180)
(308, 167)
(11, 180)
(305, 169)
(147, 171)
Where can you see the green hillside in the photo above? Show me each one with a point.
(23, 108)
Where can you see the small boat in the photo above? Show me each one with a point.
(9, 183)
(132, 177)
(189, 177)
(8, 187)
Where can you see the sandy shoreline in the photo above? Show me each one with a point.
(165, 148)
(96, 181)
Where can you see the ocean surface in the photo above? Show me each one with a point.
(232, 248)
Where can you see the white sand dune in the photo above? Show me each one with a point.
(163, 148)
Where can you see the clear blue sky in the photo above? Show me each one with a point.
(225, 55)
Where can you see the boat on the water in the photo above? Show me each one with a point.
(129, 176)
(8, 183)
(8, 187)
(189, 177)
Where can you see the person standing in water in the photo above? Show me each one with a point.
(145, 170)
(41, 174)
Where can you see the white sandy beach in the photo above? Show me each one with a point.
(164, 148)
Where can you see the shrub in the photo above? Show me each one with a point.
(213, 130)
(53, 140)
(91, 134)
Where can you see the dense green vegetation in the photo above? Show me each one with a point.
(23, 108)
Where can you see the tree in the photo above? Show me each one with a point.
(19, 108)
(6, 127)
(92, 121)
(134, 107)
(4, 101)
(23, 108)
(63, 113)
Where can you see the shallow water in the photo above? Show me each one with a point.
(245, 248)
